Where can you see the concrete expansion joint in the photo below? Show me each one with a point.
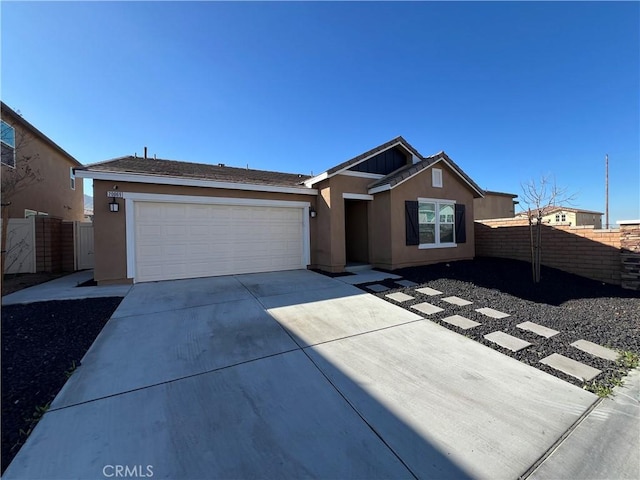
(355, 335)
(173, 380)
(538, 463)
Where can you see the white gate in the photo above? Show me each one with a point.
(21, 246)
(84, 245)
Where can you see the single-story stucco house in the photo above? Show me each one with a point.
(389, 207)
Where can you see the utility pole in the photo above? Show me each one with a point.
(606, 191)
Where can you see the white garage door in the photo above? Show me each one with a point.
(181, 240)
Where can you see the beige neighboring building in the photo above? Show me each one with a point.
(51, 187)
(494, 205)
(571, 217)
(389, 207)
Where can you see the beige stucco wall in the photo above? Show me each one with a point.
(493, 206)
(110, 228)
(420, 186)
(330, 242)
(49, 189)
(386, 221)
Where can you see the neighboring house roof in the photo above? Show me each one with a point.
(141, 169)
(10, 116)
(550, 210)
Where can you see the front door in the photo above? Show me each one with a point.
(356, 231)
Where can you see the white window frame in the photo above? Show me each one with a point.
(13, 147)
(436, 177)
(438, 202)
(563, 217)
(72, 176)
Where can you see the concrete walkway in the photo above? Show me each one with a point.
(606, 444)
(289, 375)
(65, 288)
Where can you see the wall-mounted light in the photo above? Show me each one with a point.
(114, 206)
(312, 212)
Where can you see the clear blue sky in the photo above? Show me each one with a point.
(510, 91)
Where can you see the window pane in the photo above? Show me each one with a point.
(8, 135)
(426, 213)
(427, 233)
(446, 233)
(8, 156)
(446, 213)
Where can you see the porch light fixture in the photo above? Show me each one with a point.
(312, 212)
(113, 205)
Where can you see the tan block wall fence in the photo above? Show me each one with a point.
(610, 256)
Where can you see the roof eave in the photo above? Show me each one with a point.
(190, 182)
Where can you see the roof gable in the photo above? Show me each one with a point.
(405, 173)
(351, 164)
(384, 162)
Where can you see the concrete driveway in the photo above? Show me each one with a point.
(289, 375)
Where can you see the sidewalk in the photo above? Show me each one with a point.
(65, 288)
(606, 444)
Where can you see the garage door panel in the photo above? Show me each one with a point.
(191, 240)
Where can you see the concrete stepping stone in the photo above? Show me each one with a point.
(571, 367)
(429, 291)
(376, 287)
(399, 297)
(596, 350)
(490, 312)
(406, 283)
(507, 341)
(427, 308)
(538, 329)
(460, 321)
(457, 301)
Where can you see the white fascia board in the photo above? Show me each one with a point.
(357, 196)
(628, 222)
(254, 202)
(190, 182)
(381, 188)
(351, 173)
(318, 178)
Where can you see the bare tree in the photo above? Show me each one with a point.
(539, 197)
(23, 174)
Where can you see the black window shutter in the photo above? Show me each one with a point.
(461, 230)
(411, 222)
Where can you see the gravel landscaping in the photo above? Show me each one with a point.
(577, 307)
(42, 343)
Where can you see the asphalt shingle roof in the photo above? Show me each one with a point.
(202, 171)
